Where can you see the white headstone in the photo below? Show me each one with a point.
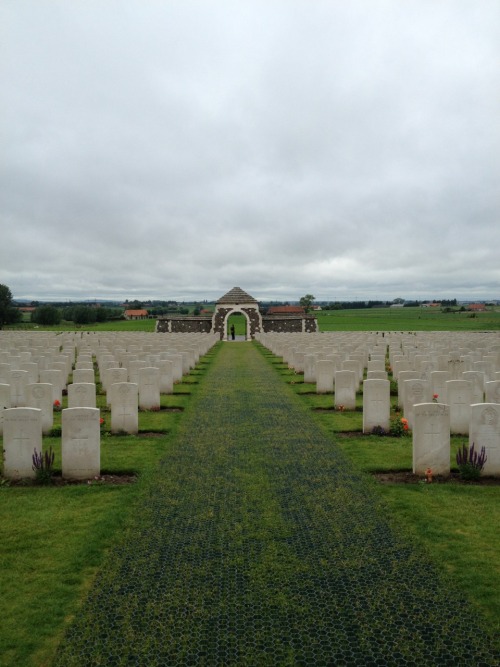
(485, 432)
(32, 369)
(5, 370)
(376, 375)
(166, 367)
(18, 382)
(81, 443)
(149, 388)
(82, 395)
(356, 366)
(83, 375)
(113, 375)
(325, 371)
(54, 378)
(4, 402)
(84, 365)
(376, 365)
(22, 434)
(402, 377)
(346, 383)
(459, 398)
(177, 361)
(39, 395)
(376, 404)
(61, 366)
(476, 378)
(133, 370)
(438, 380)
(415, 391)
(492, 391)
(124, 407)
(309, 368)
(431, 438)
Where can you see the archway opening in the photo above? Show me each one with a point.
(240, 323)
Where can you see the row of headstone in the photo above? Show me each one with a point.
(432, 425)
(431, 437)
(338, 362)
(36, 370)
(80, 442)
(418, 351)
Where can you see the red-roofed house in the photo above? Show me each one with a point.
(476, 307)
(136, 314)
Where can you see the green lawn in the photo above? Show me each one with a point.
(407, 319)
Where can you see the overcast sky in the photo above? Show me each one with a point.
(175, 149)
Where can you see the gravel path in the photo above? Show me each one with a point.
(258, 544)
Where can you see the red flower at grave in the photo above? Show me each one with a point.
(405, 423)
(435, 397)
(101, 421)
(57, 405)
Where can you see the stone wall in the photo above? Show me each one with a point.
(289, 324)
(184, 325)
(276, 323)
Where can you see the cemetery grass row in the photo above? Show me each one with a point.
(456, 524)
(55, 537)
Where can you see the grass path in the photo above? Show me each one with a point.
(259, 544)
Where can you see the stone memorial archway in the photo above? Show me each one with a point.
(237, 301)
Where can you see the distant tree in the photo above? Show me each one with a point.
(102, 314)
(46, 315)
(307, 301)
(8, 313)
(83, 315)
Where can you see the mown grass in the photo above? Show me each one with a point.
(456, 524)
(54, 539)
(407, 319)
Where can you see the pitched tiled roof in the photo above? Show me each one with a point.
(286, 310)
(237, 295)
(136, 313)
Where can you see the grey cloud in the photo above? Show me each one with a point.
(168, 149)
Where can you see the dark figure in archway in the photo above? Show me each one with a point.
(232, 331)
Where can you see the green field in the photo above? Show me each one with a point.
(363, 319)
(407, 319)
